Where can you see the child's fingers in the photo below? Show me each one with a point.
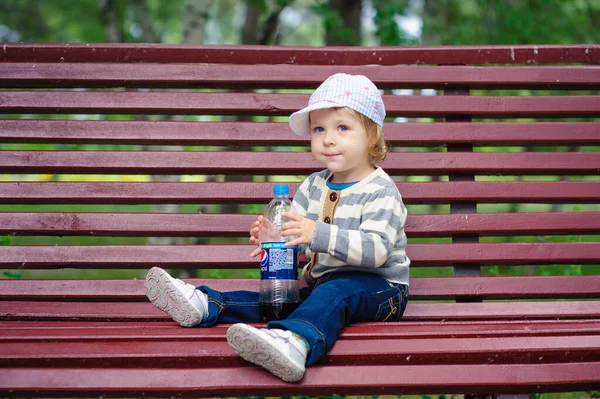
(293, 243)
(255, 252)
(292, 216)
(290, 225)
(255, 229)
(291, 232)
(257, 222)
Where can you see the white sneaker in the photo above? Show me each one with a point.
(278, 351)
(183, 302)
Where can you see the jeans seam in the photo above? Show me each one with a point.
(213, 300)
(218, 303)
(381, 306)
(319, 332)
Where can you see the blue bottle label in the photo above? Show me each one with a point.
(278, 262)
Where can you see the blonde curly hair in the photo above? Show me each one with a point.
(378, 149)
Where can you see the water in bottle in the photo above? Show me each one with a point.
(279, 292)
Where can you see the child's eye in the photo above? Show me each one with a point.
(318, 129)
(343, 128)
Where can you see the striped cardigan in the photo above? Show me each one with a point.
(367, 231)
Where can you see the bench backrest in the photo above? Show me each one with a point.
(127, 141)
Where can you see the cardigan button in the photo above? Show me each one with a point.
(327, 220)
(333, 197)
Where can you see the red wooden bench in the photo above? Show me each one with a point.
(470, 333)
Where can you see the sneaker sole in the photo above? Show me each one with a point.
(255, 349)
(165, 296)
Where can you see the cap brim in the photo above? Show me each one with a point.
(299, 120)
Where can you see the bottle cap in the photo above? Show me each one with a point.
(281, 189)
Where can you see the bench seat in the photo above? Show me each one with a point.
(116, 158)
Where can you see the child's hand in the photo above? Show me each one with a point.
(254, 236)
(299, 226)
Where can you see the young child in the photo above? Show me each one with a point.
(350, 216)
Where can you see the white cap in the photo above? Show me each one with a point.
(356, 92)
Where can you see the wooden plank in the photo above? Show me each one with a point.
(420, 288)
(278, 133)
(213, 354)
(81, 331)
(71, 75)
(177, 103)
(505, 287)
(18, 192)
(145, 311)
(504, 253)
(286, 163)
(235, 54)
(199, 225)
(318, 380)
(236, 256)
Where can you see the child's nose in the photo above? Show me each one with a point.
(328, 138)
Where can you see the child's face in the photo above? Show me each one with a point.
(339, 141)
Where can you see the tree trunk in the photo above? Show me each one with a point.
(112, 21)
(250, 29)
(350, 12)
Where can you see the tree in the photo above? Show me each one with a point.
(511, 21)
(387, 30)
(343, 23)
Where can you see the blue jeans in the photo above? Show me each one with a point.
(336, 300)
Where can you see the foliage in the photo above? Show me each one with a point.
(333, 23)
(387, 30)
(444, 21)
(511, 22)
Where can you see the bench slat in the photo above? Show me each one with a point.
(331, 55)
(69, 75)
(143, 311)
(319, 380)
(33, 331)
(406, 351)
(295, 163)
(271, 133)
(191, 224)
(252, 192)
(173, 103)
(420, 288)
(236, 256)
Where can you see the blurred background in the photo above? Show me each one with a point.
(302, 22)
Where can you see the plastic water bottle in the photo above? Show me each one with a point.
(279, 293)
